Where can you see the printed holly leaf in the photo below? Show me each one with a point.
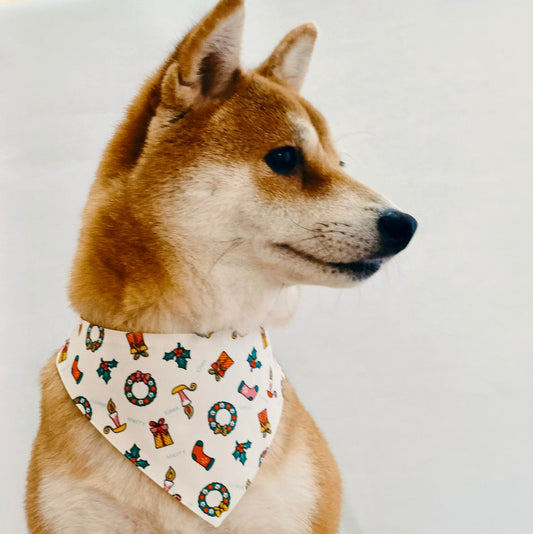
(240, 451)
(133, 456)
(142, 463)
(182, 362)
(180, 355)
(240, 457)
(104, 371)
(105, 374)
(134, 452)
(253, 361)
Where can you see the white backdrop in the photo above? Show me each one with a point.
(431, 416)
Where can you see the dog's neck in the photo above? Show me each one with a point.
(126, 278)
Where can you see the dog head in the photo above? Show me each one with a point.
(242, 161)
(237, 174)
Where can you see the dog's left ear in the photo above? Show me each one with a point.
(205, 63)
(289, 62)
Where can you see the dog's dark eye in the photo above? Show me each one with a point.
(283, 160)
(342, 163)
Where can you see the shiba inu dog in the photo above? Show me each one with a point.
(219, 194)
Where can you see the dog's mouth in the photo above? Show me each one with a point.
(358, 270)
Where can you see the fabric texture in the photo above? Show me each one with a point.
(196, 413)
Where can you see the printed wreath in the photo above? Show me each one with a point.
(216, 427)
(135, 378)
(84, 403)
(224, 503)
(89, 343)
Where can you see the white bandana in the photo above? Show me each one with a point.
(195, 413)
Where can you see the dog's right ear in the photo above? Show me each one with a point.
(205, 63)
(289, 62)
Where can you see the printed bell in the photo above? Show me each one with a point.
(220, 367)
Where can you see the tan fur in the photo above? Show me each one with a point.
(187, 229)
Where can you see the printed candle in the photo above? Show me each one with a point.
(112, 409)
(169, 478)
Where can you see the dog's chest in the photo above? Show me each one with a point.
(281, 501)
(116, 498)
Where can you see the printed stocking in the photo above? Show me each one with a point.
(199, 456)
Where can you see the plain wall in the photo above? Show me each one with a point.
(421, 379)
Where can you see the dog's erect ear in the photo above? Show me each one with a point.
(290, 60)
(205, 62)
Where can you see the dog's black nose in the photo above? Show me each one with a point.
(396, 230)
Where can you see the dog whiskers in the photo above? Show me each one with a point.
(303, 227)
(234, 243)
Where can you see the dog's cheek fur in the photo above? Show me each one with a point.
(226, 191)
